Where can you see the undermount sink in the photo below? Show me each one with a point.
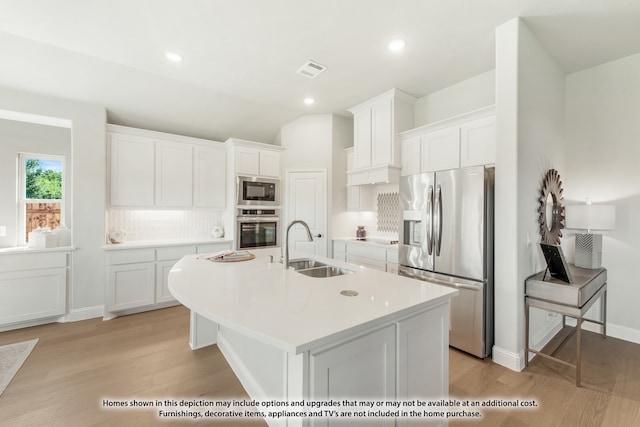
(312, 268)
(326, 271)
(305, 263)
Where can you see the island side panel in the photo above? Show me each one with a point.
(362, 368)
(423, 361)
(202, 331)
(261, 368)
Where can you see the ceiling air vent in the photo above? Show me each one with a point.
(311, 69)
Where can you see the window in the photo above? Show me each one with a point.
(41, 202)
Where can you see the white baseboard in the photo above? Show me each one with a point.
(515, 361)
(623, 333)
(613, 330)
(508, 359)
(84, 313)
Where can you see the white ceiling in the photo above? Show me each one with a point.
(240, 56)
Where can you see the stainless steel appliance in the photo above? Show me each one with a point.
(257, 228)
(446, 236)
(252, 190)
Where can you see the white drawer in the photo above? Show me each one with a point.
(130, 256)
(174, 252)
(366, 262)
(32, 261)
(368, 251)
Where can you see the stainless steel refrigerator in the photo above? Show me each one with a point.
(446, 237)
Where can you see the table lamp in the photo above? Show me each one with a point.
(589, 217)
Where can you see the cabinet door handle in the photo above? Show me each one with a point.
(319, 235)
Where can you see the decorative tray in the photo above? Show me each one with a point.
(230, 256)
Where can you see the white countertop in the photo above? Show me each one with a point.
(290, 310)
(29, 250)
(164, 242)
(372, 241)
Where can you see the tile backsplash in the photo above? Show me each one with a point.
(388, 210)
(164, 224)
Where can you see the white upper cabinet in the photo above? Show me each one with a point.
(157, 169)
(256, 158)
(478, 142)
(382, 138)
(209, 176)
(174, 174)
(256, 162)
(269, 164)
(441, 150)
(132, 170)
(247, 161)
(376, 142)
(362, 138)
(467, 140)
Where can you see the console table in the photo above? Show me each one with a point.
(569, 299)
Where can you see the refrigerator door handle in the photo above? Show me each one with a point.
(438, 220)
(429, 222)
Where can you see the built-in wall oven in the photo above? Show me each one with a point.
(252, 190)
(257, 228)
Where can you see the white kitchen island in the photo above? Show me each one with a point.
(290, 337)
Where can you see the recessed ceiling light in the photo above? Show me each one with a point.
(396, 45)
(174, 57)
(309, 101)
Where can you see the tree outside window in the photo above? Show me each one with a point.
(42, 197)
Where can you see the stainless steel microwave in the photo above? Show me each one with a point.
(258, 191)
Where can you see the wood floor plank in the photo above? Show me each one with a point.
(146, 356)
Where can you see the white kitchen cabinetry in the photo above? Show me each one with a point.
(256, 162)
(137, 279)
(156, 169)
(376, 143)
(478, 142)
(359, 198)
(467, 140)
(345, 370)
(132, 170)
(33, 288)
(209, 176)
(130, 279)
(174, 174)
(371, 255)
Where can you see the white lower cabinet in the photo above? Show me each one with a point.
(383, 258)
(33, 287)
(345, 371)
(130, 285)
(162, 282)
(137, 279)
(130, 279)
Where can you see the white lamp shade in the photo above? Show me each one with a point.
(590, 217)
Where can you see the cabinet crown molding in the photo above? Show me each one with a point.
(393, 93)
(161, 135)
(236, 142)
(452, 121)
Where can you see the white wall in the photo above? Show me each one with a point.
(463, 97)
(88, 174)
(318, 142)
(22, 137)
(603, 151)
(530, 126)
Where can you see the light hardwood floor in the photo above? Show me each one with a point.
(75, 366)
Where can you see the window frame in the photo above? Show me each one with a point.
(22, 192)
